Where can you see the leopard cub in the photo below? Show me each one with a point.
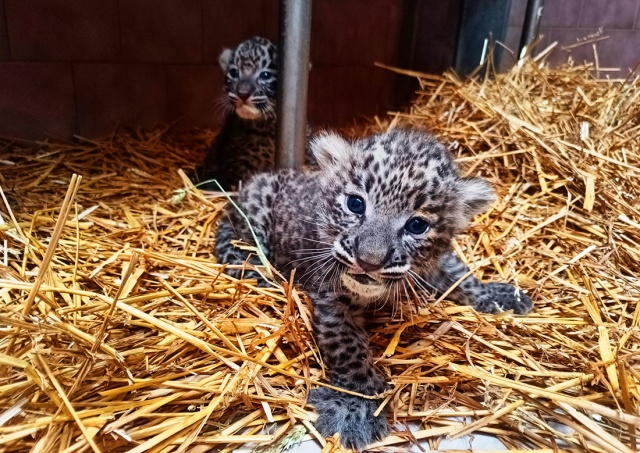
(246, 142)
(374, 221)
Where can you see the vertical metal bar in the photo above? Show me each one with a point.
(531, 25)
(293, 72)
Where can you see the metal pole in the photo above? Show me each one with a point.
(293, 72)
(531, 24)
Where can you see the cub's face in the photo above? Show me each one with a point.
(250, 78)
(395, 200)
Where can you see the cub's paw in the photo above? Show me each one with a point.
(499, 297)
(350, 416)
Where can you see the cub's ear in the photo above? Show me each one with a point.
(224, 58)
(476, 195)
(329, 148)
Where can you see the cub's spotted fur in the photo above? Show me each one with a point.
(376, 220)
(246, 142)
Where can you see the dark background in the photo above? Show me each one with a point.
(82, 66)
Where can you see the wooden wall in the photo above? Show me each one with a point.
(612, 27)
(81, 66)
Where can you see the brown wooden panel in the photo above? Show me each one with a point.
(337, 95)
(68, 30)
(561, 13)
(109, 94)
(5, 53)
(168, 31)
(436, 35)
(37, 100)
(354, 33)
(194, 95)
(226, 23)
(618, 14)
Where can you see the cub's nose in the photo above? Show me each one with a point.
(244, 95)
(371, 252)
(244, 90)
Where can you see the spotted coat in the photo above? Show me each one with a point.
(353, 230)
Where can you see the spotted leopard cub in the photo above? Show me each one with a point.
(246, 142)
(374, 221)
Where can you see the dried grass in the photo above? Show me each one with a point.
(120, 333)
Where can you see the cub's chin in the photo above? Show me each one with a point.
(247, 112)
(363, 285)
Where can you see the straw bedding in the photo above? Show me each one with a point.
(120, 333)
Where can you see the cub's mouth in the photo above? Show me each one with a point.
(364, 279)
(363, 285)
(247, 111)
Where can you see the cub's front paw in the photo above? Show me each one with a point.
(499, 297)
(349, 415)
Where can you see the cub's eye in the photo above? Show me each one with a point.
(265, 75)
(416, 225)
(356, 204)
(233, 72)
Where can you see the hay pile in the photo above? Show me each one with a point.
(119, 332)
